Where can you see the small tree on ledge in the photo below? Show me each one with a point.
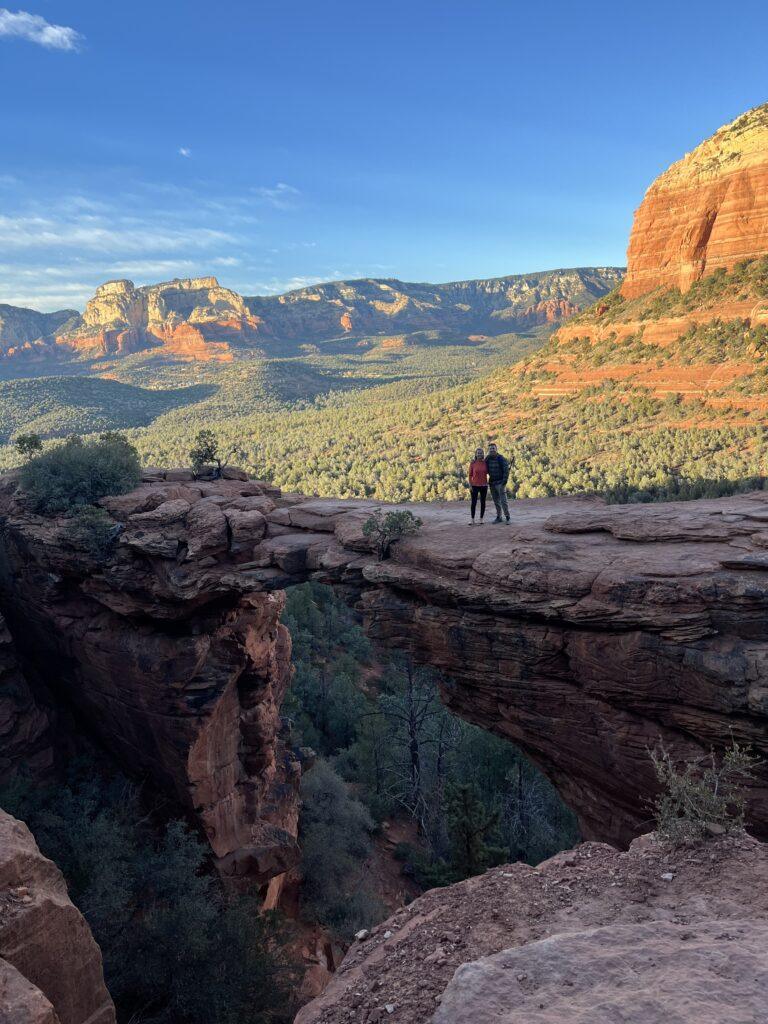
(385, 528)
(28, 445)
(206, 452)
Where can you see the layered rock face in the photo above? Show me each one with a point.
(582, 632)
(22, 329)
(709, 210)
(170, 656)
(50, 965)
(197, 319)
(194, 318)
(375, 307)
(592, 935)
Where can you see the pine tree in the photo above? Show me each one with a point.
(470, 825)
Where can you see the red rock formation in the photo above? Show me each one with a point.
(50, 965)
(584, 634)
(174, 659)
(707, 211)
(591, 935)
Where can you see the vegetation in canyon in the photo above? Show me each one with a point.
(389, 749)
(176, 949)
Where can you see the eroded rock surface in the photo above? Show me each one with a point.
(546, 945)
(644, 973)
(709, 210)
(582, 632)
(176, 661)
(50, 965)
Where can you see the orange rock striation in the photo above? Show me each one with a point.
(169, 654)
(709, 210)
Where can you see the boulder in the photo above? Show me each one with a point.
(58, 976)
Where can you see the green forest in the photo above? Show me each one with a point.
(400, 424)
(387, 748)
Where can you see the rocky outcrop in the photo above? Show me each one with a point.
(374, 307)
(169, 655)
(50, 965)
(23, 331)
(197, 319)
(709, 210)
(592, 934)
(582, 632)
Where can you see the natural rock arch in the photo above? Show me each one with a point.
(581, 632)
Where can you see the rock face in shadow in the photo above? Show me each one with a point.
(25, 737)
(50, 965)
(173, 660)
(582, 632)
(591, 935)
(708, 211)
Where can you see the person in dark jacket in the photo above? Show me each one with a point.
(478, 482)
(498, 474)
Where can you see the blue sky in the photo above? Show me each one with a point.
(277, 144)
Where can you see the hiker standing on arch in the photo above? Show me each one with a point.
(498, 474)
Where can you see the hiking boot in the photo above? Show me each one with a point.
(498, 519)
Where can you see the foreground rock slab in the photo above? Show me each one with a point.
(640, 973)
(50, 965)
(546, 945)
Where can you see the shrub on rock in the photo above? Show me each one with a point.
(78, 473)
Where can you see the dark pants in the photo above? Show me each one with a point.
(482, 493)
(499, 495)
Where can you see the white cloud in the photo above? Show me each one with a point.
(23, 25)
(134, 236)
(184, 151)
(282, 196)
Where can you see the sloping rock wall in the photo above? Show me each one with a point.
(50, 965)
(709, 210)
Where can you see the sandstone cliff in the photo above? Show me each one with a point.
(380, 307)
(591, 935)
(584, 633)
(22, 331)
(709, 210)
(50, 965)
(197, 319)
(174, 659)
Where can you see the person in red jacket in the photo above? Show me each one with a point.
(478, 482)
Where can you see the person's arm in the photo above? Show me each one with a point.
(505, 477)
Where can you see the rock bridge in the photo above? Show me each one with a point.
(584, 633)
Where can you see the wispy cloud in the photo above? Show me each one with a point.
(98, 233)
(282, 196)
(185, 151)
(35, 29)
